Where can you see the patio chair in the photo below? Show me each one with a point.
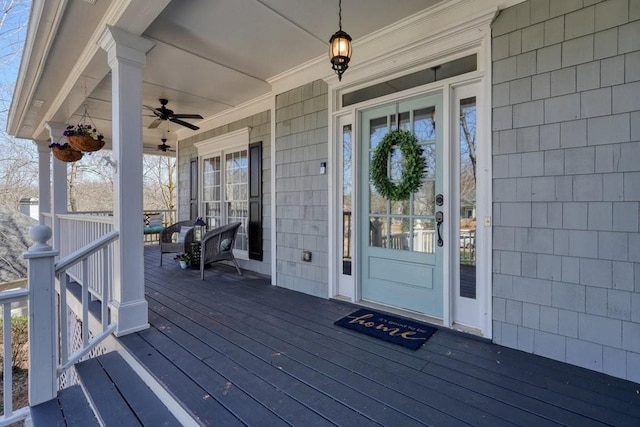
(217, 245)
(176, 238)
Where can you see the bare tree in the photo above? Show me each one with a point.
(18, 158)
(160, 182)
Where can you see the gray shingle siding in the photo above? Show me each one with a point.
(566, 168)
(301, 191)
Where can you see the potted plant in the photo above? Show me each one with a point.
(83, 137)
(183, 259)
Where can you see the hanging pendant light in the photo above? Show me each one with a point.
(340, 47)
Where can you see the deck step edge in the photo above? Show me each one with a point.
(183, 415)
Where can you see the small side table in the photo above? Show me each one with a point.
(195, 255)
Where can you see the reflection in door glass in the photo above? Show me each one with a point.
(378, 129)
(378, 232)
(468, 198)
(423, 199)
(425, 124)
(347, 192)
(424, 236)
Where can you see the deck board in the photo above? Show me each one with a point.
(366, 371)
(236, 350)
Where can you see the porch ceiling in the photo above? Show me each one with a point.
(209, 56)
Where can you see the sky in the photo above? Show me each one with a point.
(13, 27)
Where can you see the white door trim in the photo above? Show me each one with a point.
(469, 37)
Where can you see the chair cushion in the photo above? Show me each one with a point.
(155, 220)
(183, 233)
(225, 245)
(153, 230)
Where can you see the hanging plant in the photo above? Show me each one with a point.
(84, 136)
(413, 168)
(65, 152)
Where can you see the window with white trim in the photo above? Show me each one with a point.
(225, 179)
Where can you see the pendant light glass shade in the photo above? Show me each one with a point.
(340, 48)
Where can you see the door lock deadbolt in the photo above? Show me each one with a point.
(439, 200)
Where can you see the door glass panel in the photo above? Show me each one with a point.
(425, 125)
(396, 164)
(377, 231)
(424, 199)
(424, 239)
(378, 131)
(400, 237)
(410, 222)
(377, 203)
(405, 121)
(347, 194)
(429, 155)
(468, 197)
(401, 207)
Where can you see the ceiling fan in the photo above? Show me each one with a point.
(164, 147)
(163, 113)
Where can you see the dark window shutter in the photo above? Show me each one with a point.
(255, 201)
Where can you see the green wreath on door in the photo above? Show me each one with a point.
(412, 173)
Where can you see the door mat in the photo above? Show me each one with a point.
(397, 330)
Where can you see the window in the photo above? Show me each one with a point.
(225, 183)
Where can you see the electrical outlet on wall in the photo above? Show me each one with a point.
(306, 256)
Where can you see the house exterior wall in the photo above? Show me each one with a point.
(301, 191)
(260, 130)
(566, 182)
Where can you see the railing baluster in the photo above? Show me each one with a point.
(85, 303)
(64, 319)
(104, 306)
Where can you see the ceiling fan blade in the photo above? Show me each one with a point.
(185, 124)
(155, 111)
(187, 116)
(154, 124)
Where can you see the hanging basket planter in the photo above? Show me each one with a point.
(65, 153)
(84, 136)
(85, 143)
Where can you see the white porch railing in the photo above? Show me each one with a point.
(48, 307)
(77, 231)
(99, 249)
(6, 299)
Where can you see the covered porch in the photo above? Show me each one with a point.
(237, 351)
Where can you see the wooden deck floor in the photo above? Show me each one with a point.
(238, 351)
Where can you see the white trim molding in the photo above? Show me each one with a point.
(235, 139)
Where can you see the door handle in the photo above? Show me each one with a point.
(439, 221)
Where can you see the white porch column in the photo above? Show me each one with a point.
(59, 184)
(126, 55)
(44, 179)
